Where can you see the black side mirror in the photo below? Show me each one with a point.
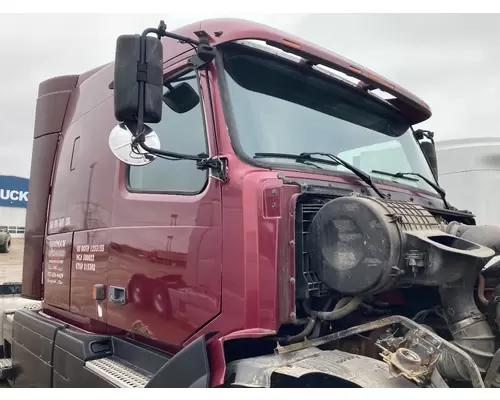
(429, 149)
(181, 98)
(430, 153)
(138, 80)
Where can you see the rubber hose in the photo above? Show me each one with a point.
(470, 332)
(344, 307)
(469, 329)
(303, 334)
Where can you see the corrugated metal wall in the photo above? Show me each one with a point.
(13, 202)
(14, 218)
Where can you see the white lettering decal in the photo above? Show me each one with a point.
(55, 262)
(86, 253)
(57, 243)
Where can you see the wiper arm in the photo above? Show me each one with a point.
(361, 174)
(433, 185)
(334, 160)
(296, 157)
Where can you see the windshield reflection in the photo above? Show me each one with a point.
(282, 107)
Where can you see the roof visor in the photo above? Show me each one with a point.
(230, 30)
(414, 109)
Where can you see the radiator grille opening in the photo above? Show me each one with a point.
(308, 284)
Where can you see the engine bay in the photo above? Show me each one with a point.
(393, 281)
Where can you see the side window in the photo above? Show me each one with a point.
(180, 133)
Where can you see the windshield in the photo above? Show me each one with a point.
(281, 107)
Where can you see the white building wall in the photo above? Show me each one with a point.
(14, 218)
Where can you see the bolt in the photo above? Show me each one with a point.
(273, 192)
(292, 315)
(292, 281)
(273, 205)
(292, 243)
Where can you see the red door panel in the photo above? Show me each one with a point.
(88, 268)
(57, 268)
(165, 244)
(159, 267)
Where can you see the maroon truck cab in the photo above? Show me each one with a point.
(205, 260)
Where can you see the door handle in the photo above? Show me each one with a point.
(117, 295)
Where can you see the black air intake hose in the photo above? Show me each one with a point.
(468, 326)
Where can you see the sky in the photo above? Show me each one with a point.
(448, 60)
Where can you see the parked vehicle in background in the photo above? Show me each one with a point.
(5, 241)
(469, 171)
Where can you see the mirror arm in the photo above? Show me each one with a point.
(180, 156)
(142, 75)
(203, 161)
(204, 54)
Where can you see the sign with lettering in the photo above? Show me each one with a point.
(13, 191)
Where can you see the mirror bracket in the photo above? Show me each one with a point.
(205, 54)
(218, 166)
(422, 133)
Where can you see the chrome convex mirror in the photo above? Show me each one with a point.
(121, 143)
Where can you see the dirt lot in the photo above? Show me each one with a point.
(12, 262)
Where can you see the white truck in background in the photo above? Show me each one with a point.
(469, 171)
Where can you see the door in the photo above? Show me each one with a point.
(164, 275)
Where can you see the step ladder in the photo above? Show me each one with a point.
(6, 368)
(8, 306)
(116, 372)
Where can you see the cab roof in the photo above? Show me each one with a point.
(220, 31)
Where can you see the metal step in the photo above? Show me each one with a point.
(117, 373)
(5, 368)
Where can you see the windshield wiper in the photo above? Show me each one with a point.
(297, 158)
(334, 160)
(406, 175)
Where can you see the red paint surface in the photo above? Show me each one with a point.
(220, 261)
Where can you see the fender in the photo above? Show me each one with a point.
(189, 368)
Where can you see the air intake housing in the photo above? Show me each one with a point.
(363, 245)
